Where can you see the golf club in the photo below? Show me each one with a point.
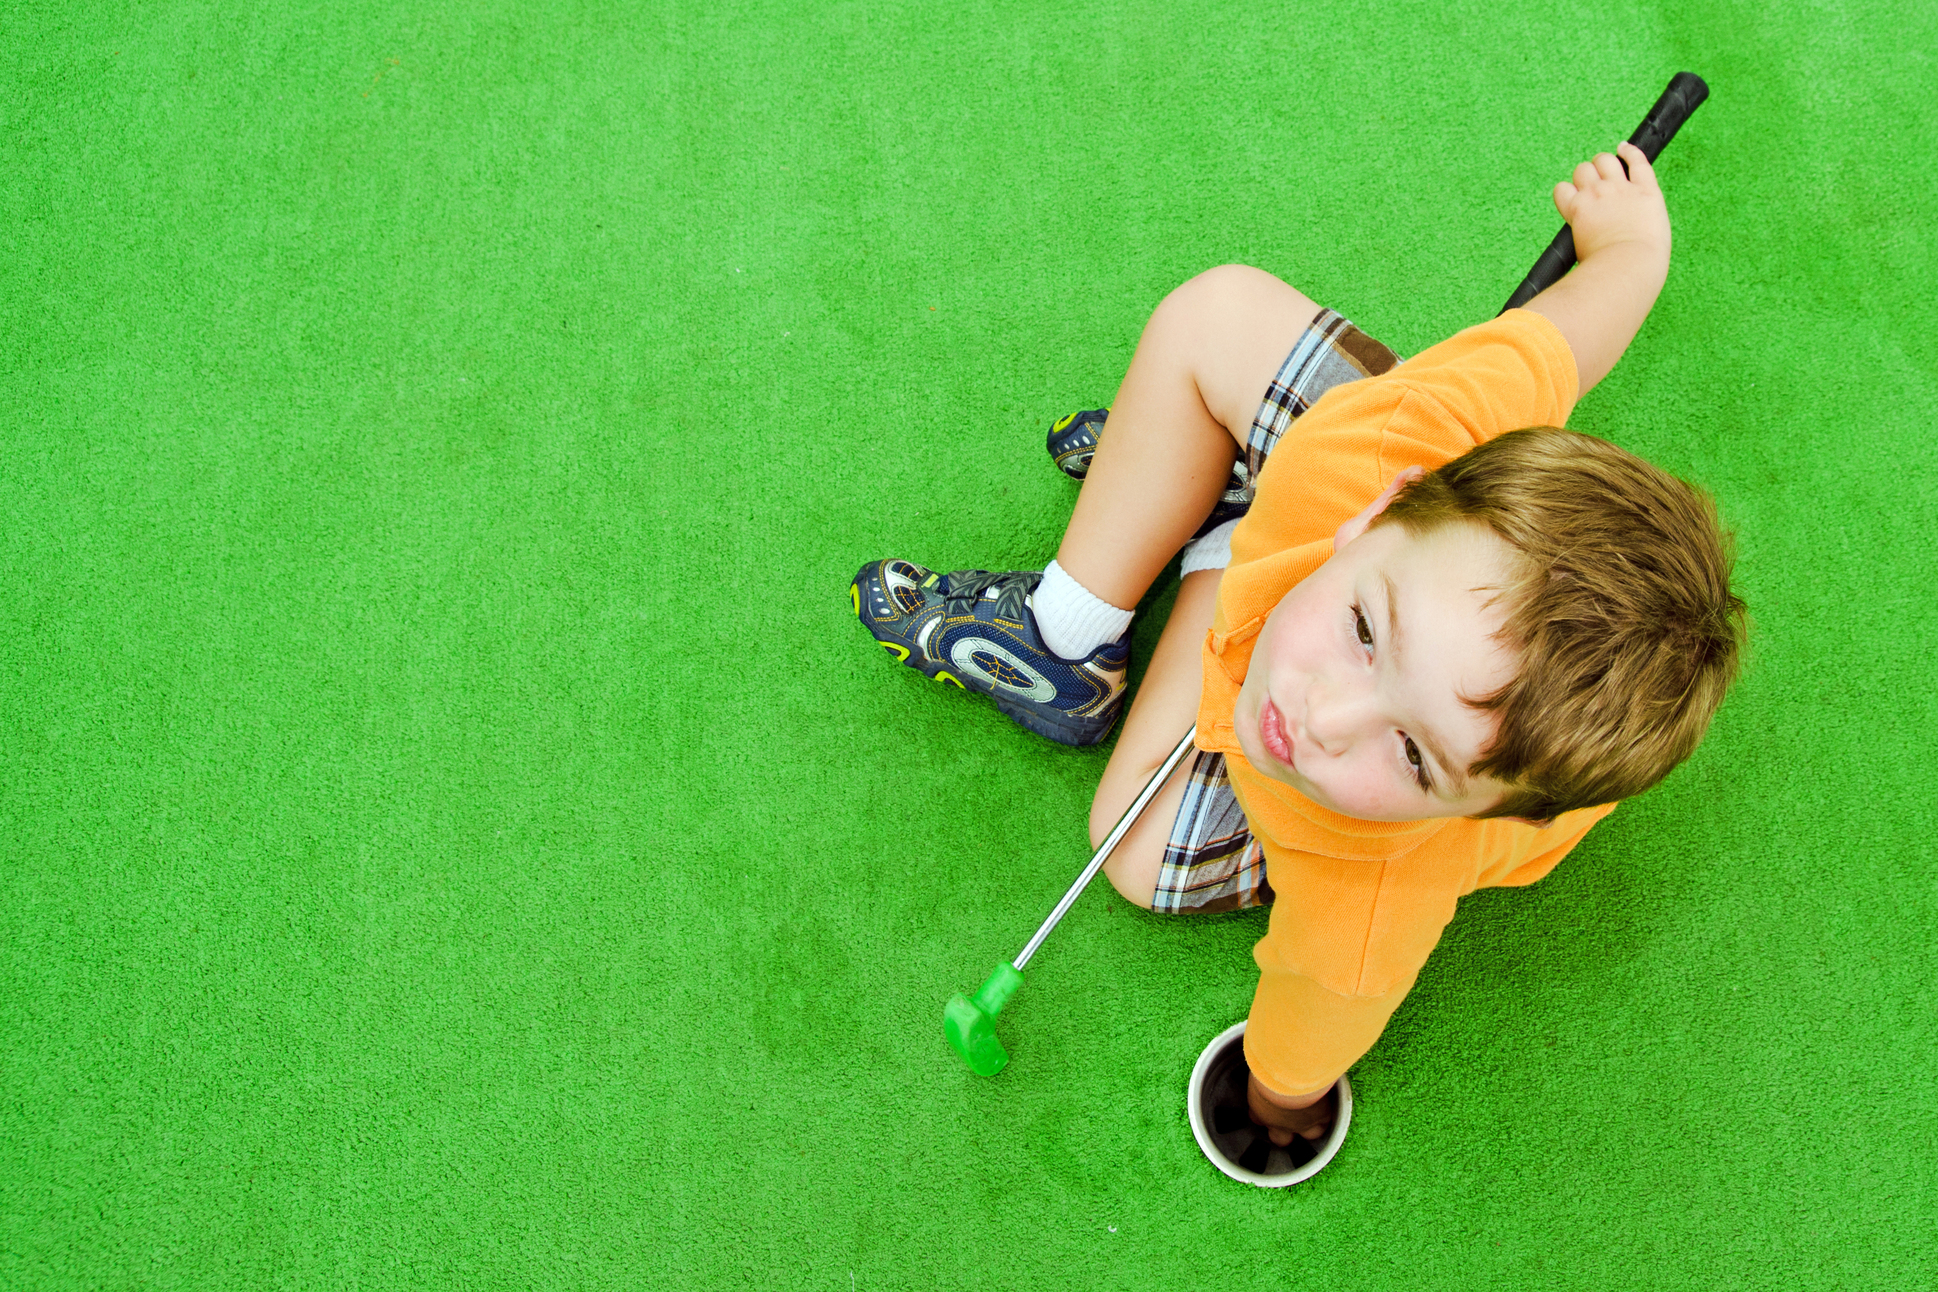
(970, 1021)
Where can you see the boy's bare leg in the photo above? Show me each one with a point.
(1179, 421)
(1165, 707)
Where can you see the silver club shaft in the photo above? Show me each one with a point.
(1117, 832)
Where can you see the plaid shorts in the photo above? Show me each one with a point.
(1211, 861)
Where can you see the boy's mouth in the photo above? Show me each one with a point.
(1271, 730)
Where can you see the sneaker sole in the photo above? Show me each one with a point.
(1066, 732)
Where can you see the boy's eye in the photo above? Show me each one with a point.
(1361, 627)
(1417, 763)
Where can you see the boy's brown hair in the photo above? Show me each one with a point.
(1622, 612)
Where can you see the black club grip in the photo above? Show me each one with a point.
(1685, 94)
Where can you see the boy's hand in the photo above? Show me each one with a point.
(1606, 208)
(1312, 1118)
(1621, 232)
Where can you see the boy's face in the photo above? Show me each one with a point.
(1354, 694)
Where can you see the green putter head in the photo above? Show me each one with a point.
(970, 1021)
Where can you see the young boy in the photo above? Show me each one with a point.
(1433, 652)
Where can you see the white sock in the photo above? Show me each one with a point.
(1074, 622)
(1212, 552)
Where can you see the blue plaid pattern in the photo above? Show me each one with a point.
(1330, 352)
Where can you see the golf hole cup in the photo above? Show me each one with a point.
(1225, 1130)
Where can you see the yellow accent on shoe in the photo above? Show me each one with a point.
(1066, 420)
(899, 652)
(948, 677)
(854, 591)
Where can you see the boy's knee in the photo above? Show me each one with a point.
(1231, 327)
(1238, 280)
(1219, 291)
(1133, 865)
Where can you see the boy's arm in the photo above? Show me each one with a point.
(1621, 230)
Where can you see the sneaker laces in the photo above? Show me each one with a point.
(966, 587)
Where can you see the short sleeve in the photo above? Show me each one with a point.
(1534, 851)
(1512, 372)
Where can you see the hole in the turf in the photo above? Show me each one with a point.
(1239, 1139)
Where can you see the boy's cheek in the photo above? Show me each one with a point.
(1368, 804)
(1288, 634)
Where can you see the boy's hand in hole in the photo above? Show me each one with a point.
(1284, 1116)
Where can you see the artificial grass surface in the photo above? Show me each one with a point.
(456, 835)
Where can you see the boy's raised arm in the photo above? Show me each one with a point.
(1621, 230)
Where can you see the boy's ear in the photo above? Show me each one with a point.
(1357, 525)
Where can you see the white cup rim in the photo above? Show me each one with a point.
(1195, 1111)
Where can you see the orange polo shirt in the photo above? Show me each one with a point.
(1362, 903)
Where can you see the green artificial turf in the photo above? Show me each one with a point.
(455, 834)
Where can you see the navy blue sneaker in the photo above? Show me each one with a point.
(1072, 442)
(975, 629)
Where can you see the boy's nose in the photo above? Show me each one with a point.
(1335, 716)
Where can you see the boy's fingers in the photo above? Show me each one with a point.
(1639, 170)
(1585, 174)
(1564, 198)
(1608, 166)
